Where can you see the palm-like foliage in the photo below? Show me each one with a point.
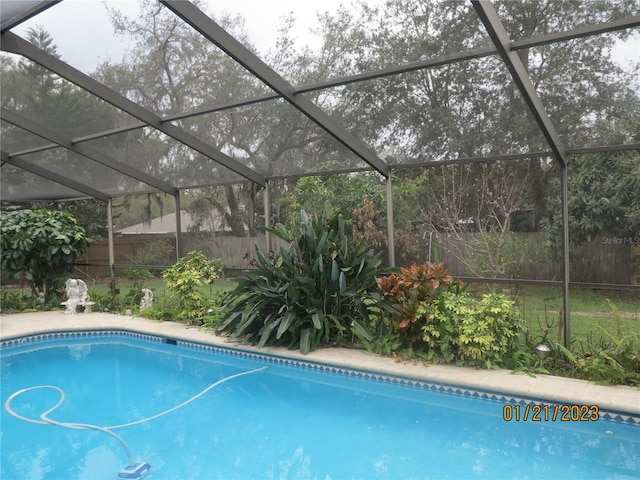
(319, 289)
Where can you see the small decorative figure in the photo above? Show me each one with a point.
(147, 298)
(85, 301)
(75, 289)
(40, 299)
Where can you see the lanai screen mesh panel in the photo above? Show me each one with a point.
(164, 158)
(50, 101)
(590, 105)
(531, 19)
(421, 85)
(15, 139)
(85, 171)
(462, 110)
(17, 181)
(273, 138)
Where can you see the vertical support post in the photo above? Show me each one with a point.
(390, 233)
(179, 252)
(267, 212)
(112, 272)
(565, 254)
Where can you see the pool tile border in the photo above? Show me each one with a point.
(611, 415)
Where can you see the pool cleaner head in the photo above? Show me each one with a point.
(135, 470)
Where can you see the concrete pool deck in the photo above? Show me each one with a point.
(544, 387)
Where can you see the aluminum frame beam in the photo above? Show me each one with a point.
(14, 44)
(596, 29)
(59, 139)
(16, 14)
(241, 54)
(605, 27)
(54, 177)
(489, 17)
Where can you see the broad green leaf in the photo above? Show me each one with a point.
(335, 272)
(343, 282)
(315, 318)
(363, 331)
(266, 331)
(305, 346)
(287, 319)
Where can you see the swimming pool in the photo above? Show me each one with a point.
(293, 419)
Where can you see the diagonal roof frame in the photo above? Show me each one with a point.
(241, 54)
(489, 17)
(55, 177)
(86, 151)
(14, 13)
(13, 43)
(580, 32)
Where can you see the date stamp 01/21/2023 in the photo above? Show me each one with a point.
(550, 413)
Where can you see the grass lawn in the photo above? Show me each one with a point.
(592, 311)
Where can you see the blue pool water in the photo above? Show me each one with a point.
(283, 422)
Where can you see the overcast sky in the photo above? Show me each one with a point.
(84, 36)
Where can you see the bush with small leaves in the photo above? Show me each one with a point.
(184, 280)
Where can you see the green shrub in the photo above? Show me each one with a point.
(441, 330)
(320, 289)
(13, 302)
(42, 245)
(612, 362)
(612, 359)
(435, 318)
(472, 332)
(184, 280)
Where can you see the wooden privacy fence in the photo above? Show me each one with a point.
(602, 260)
(235, 252)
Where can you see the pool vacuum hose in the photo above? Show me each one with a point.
(134, 470)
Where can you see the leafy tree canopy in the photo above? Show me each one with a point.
(604, 196)
(42, 245)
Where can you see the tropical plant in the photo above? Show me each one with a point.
(41, 245)
(321, 289)
(613, 358)
(490, 335)
(185, 278)
(472, 332)
(412, 291)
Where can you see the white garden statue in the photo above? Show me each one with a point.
(147, 298)
(76, 290)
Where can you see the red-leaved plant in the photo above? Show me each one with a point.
(414, 292)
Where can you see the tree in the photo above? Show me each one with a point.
(42, 245)
(471, 209)
(472, 108)
(328, 194)
(603, 198)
